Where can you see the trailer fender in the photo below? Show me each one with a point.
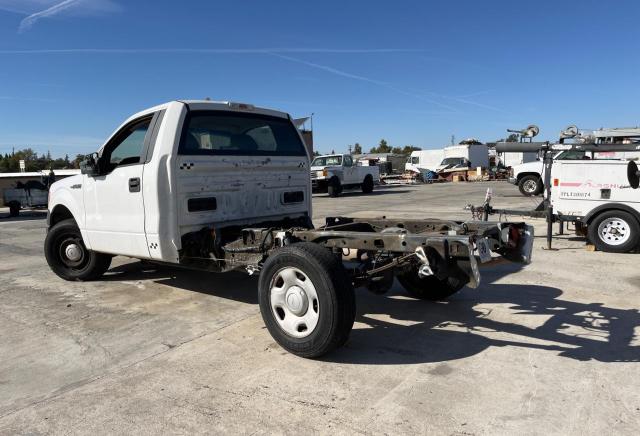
(611, 206)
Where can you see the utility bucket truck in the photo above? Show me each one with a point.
(221, 186)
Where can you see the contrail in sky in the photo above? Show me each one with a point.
(29, 21)
(205, 50)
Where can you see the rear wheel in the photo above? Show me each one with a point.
(68, 257)
(614, 231)
(306, 299)
(367, 185)
(334, 188)
(530, 185)
(430, 287)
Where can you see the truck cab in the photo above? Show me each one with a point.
(170, 170)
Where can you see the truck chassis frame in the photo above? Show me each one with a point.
(383, 246)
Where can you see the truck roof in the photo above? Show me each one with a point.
(203, 105)
(213, 105)
(331, 155)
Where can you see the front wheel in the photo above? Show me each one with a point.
(306, 299)
(430, 287)
(68, 257)
(530, 185)
(615, 231)
(14, 208)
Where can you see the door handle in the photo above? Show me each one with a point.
(134, 184)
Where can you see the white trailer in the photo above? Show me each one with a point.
(424, 160)
(476, 154)
(596, 195)
(511, 159)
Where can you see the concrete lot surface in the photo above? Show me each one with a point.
(553, 348)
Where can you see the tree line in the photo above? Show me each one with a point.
(382, 147)
(10, 162)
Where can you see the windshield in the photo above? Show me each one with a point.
(237, 133)
(570, 155)
(324, 161)
(453, 161)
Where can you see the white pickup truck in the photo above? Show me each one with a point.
(221, 186)
(335, 172)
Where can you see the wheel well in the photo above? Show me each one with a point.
(368, 176)
(58, 214)
(522, 175)
(621, 208)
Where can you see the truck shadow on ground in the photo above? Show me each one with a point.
(234, 285)
(402, 330)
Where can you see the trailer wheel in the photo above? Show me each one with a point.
(306, 299)
(68, 257)
(14, 208)
(334, 188)
(530, 185)
(367, 184)
(614, 231)
(429, 288)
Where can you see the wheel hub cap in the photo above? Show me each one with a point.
(73, 252)
(530, 186)
(294, 302)
(297, 301)
(614, 231)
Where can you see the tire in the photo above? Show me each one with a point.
(367, 185)
(325, 321)
(614, 231)
(530, 185)
(14, 209)
(64, 240)
(429, 288)
(334, 187)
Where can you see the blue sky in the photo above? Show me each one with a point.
(410, 72)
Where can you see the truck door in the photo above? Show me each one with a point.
(114, 205)
(350, 171)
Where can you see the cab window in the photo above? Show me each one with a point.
(348, 162)
(126, 148)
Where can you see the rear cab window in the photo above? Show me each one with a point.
(215, 132)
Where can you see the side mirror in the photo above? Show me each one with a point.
(633, 175)
(89, 165)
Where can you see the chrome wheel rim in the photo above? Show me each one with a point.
(530, 186)
(294, 302)
(614, 231)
